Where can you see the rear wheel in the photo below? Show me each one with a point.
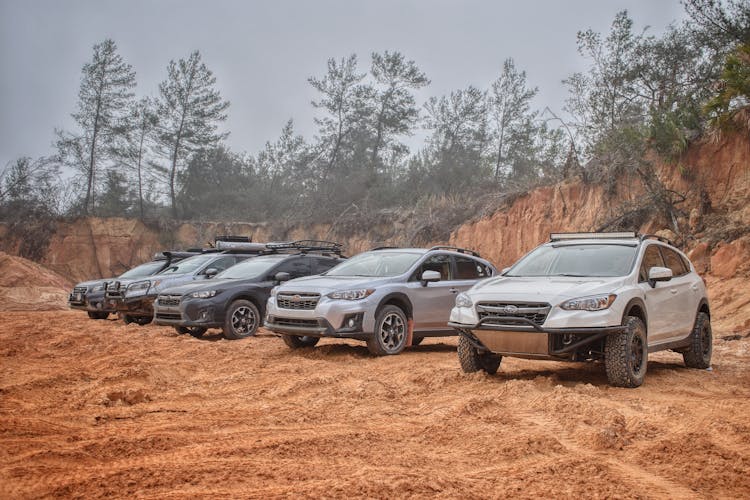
(98, 314)
(195, 331)
(390, 332)
(295, 342)
(701, 344)
(626, 355)
(242, 320)
(472, 360)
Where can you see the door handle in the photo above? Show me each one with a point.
(694, 287)
(673, 291)
(453, 290)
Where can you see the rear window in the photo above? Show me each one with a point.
(470, 269)
(673, 261)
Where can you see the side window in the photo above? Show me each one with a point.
(651, 258)
(295, 266)
(322, 264)
(673, 261)
(470, 269)
(222, 263)
(440, 263)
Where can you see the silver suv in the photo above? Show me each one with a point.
(389, 297)
(614, 297)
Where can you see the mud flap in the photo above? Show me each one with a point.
(409, 332)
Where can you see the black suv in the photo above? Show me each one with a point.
(89, 295)
(235, 300)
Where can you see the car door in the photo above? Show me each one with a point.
(683, 301)
(656, 298)
(432, 304)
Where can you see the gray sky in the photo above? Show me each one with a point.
(262, 52)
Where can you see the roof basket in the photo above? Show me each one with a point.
(304, 246)
(240, 246)
(593, 236)
(234, 238)
(456, 249)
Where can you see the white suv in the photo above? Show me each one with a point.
(588, 296)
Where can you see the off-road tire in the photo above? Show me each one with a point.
(391, 330)
(415, 340)
(138, 320)
(472, 360)
(195, 331)
(98, 314)
(297, 342)
(699, 353)
(626, 354)
(242, 320)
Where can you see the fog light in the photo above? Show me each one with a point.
(351, 323)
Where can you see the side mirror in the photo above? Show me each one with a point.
(659, 274)
(430, 277)
(281, 277)
(210, 272)
(505, 270)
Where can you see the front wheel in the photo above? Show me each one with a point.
(138, 320)
(390, 332)
(295, 342)
(626, 355)
(699, 353)
(472, 360)
(195, 331)
(98, 314)
(242, 320)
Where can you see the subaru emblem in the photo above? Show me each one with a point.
(296, 298)
(510, 309)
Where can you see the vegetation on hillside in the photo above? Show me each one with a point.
(164, 157)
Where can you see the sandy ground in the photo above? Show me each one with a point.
(96, 408)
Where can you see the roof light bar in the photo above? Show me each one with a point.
(593, 236)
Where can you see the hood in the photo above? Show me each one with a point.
(553, 290)
(328, 284)
(89, 284)
(196, 286)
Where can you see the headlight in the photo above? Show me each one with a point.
(203, 295)
(97, 288)
(463, 300)
(351, 294)
(139, 285)
(591, 303)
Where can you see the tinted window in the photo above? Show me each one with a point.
(470, 269)
(323, 264)
(250, 268)
(589, 260)
(296, 267)
(440, 263)
(673, 261)
(651, 258)
(188, 265)
(222, 263)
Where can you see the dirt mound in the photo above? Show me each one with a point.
(96, 409)
(26, 285)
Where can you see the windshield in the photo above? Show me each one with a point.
(249, 268)
(577, 260)
(376, 264)
(146, 269)
(188, 265)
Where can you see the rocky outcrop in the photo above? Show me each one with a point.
(26, 285)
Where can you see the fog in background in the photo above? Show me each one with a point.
(263, 52)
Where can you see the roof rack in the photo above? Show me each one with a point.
(593, 236)
(234, 238)
(304, 246)
(383, 248)
(177, 254)
(456, 249)
(655, 237)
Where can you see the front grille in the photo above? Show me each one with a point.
(312, 323)
(534, 311)
(163, 315)
(299, 301)
(80, 289)
(169, 300)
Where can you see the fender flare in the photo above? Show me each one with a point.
(637, 301)
(401, 297)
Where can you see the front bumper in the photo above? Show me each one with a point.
(189, 312)
(524, 338)
(329, 318)
(318, 327)
(91, 303)
(142, 305)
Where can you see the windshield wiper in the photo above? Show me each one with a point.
(571, 275)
